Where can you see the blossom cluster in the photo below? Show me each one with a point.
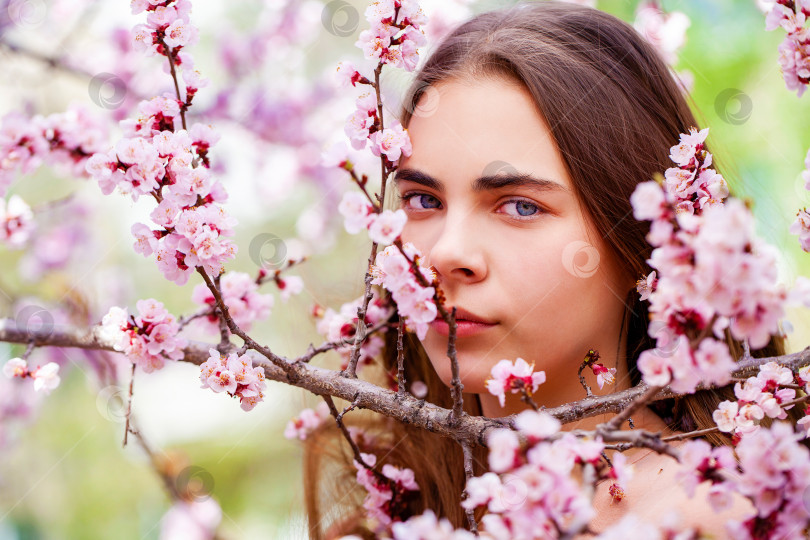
(158, 157)
(65, 140)
(765, 394)
(306, 422)
(358, 213)
(531, 490)
(794, 52)
(196, 519)
(772, 470)
(342, 324)
(386, 498)
(190, 222)
(148, 339)
(776, 477)
(666, 32)
(236, 375)
(415, 304)
(427, 527)
(712, 272)
(395, 34)
(693, 184)
(240, 293)
(393, 39)
(363, 126)
(514, 377)
(699, 462)
(45, 377)
(16, 221)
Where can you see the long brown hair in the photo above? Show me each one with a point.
(614, 109)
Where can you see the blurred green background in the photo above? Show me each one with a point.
(66, 476)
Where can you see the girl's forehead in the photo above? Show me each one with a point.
(474, 129)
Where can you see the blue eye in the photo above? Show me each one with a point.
(524, 208)
(420, 198)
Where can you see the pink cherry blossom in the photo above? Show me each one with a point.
(794, 51)
(513, 377)
(387, 226)
(306, 422)
(383, 497)
(648, 201)
(180, 34)
(801, 227)
(235, 375)
(603, 374)
(775, 476)
(290, 286)
(393, 142)
(342, 324)
(46, 377)
(427, 527)
(16, 367)
(357, 211)
(336, 156)
(537, 425)
(240, 293)
(666, 31)
(16, 222)
(357, 128)
(148, 339)
(191, 520)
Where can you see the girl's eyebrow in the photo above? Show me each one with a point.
(483, 183)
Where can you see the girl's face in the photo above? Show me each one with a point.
(491, 206)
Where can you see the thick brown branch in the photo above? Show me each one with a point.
(405, 408)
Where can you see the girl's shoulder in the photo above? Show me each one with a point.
(656, 489)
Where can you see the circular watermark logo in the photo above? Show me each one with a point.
(666, 339)
(111, 403)
(340, 18)
(194, 483)
(27, 14)
(733, 106)
(268, 251)
(36, 321)
(580, 259)
(107, 90)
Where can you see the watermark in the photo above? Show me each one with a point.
(513, 492)
(194, 483)
(111, 403)
(733, 106)
(495, 168)
(107, 90)
(36, 321)
(27, 14)
(666, 339)
(268, 251)
(580, 259)
(340, 18)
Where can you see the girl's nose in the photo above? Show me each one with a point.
(459, 251)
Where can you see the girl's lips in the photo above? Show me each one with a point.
(463, 328)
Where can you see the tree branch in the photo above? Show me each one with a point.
(405, 408)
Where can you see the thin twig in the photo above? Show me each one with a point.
(129, 402)
(468, 474)
(400, 360)
(456, 387)
(312, 351)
